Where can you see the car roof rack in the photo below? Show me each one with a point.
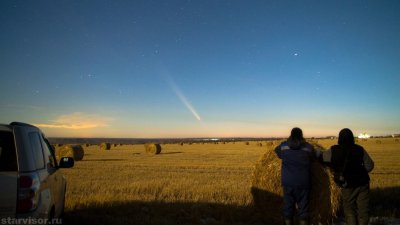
(21, 124)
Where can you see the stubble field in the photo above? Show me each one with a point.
(195, 184)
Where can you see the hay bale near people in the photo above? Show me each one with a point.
(267, 191)
(105, 146)
(74, 151)
(152, 148)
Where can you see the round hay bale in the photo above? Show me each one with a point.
(87, 145)
(259, 144)
(105, 146)
(152, 148)
(267, 191)
(74, 151)
(246, 143)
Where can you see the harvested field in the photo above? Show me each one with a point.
(194, 184)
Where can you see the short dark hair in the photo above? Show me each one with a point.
(346, 137)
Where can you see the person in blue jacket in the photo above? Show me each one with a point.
(297, 156)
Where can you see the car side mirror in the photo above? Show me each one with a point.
(66, 162)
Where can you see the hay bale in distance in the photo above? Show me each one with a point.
(276, 142)
(246, 143)
(267, 191)
(105, 146)
(74, 151)
(151, 148)
(378, 141)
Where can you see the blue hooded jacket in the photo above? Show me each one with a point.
(296, 163)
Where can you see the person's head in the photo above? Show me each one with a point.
(296, 138)
(346, 137)
(296, 134)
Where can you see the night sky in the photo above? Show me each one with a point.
(200, 68)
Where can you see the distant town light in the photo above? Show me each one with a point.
(364, 135)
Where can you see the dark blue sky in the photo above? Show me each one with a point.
(200, 68)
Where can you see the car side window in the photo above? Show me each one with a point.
(36, 149)
(8, 156)
(48, 153)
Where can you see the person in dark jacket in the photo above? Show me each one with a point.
(297, 156)
(354, 163)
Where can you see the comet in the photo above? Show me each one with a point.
(182, 97)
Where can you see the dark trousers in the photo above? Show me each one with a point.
(356, 205)
(293, 196)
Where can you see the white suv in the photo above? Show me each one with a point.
(32, 188)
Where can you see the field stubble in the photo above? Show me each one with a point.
(193, 184)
